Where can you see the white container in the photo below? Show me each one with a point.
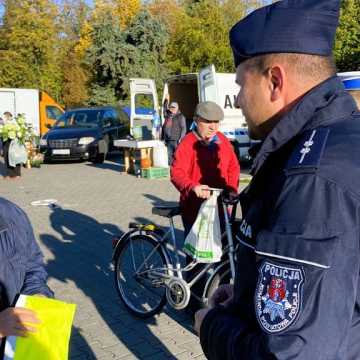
(160, 156)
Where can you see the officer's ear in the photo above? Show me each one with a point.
(276, 80)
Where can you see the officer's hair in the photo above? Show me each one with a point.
(313, 67)
(356, 95)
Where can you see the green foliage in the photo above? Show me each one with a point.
(116, 55)
(75, 80)
(82, 55)
(347, 45)
(17, 129)
(29, 31)
(201, 36)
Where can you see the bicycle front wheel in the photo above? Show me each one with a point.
(140, 270)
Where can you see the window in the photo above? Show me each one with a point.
(79, 118)
(144, 104)
(110, 116)
(52, 112)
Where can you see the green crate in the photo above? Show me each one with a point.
(155, 173)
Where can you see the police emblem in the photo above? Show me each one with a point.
(278, 296)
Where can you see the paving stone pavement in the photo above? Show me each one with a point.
(95, 203)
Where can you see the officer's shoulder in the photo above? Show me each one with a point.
(308, 151)
(328, 151)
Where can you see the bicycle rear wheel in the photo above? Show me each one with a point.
(139, 264)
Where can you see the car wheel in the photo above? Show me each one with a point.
(99, 158)
(102, 152)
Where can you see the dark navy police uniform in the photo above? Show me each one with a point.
(297, 284)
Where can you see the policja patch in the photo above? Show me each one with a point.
(278, 296)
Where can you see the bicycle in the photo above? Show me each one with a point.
(147, 277)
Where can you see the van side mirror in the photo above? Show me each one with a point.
(49, 126)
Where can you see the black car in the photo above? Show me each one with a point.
(85, 133)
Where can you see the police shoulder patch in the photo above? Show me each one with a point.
(308, 151)
(278, 296)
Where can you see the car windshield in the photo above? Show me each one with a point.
(87, 118)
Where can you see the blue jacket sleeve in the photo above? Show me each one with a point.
(35, 273)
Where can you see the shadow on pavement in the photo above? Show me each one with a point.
(82, 252)
(114, 161)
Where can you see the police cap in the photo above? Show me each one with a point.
(209, 110)
(288, 26)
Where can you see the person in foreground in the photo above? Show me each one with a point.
(296, 290)
(21, 271)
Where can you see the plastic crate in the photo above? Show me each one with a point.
(155, 173)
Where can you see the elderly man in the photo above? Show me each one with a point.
(174, 129)
(205, 158)
(296, 291)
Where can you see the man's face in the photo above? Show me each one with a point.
(173, 109)
(207, 128)
(253, 99)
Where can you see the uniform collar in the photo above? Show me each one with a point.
(322, 106)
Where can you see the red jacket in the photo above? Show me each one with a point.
(195, 163)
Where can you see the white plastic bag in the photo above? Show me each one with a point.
(17, 153)
(203, 243)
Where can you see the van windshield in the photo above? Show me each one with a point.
(86, 118)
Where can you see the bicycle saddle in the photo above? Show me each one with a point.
(166, 210)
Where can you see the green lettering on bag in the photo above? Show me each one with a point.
(199, 254)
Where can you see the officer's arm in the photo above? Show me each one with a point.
(35, 274)
(308, 271)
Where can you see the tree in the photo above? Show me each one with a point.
(75, 81)
(104, 58)
(168, 12)
(30, 38)
(201, 36)
(126, 10)
(73, 16)
(347, 44)
(116, 55)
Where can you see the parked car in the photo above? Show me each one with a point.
(85, 134)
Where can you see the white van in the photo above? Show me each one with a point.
(40, 109)
(188, 90)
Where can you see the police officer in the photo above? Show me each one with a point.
(21, 271)
(296, 292)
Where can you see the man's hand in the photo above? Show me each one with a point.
(199, 318)
(202, 191)
(17, 322)
(222, 296)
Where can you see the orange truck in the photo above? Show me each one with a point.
(40, 109)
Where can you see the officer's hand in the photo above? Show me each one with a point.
(202, 191)
(199, 318)
(222, 296)
(17, 322)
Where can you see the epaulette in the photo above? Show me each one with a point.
(308, 151)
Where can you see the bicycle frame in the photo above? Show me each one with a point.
(173, 269)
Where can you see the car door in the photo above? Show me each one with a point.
(110, 126)
(144, 108)
(123, 124)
